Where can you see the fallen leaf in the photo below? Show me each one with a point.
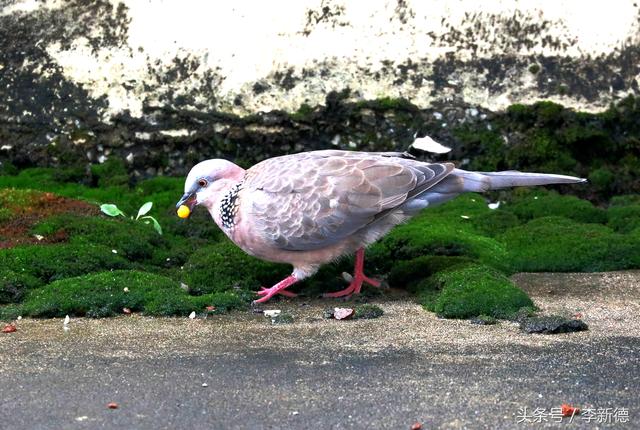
(9, 328)
(342, 313)
(427, 144)
(112, 405)
(416, 426)
(569, 411)
(192, 315)
(126, 311)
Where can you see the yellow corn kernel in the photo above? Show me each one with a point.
(184, 211)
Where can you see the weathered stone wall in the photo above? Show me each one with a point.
(164, 84)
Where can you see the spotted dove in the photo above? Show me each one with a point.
(310, 208)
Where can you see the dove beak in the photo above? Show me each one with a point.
(188, 200)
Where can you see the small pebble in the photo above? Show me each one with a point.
(272, 313)
(342, 313)
(192, 315)
(204, 384)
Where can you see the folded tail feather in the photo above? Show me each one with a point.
(462, 181)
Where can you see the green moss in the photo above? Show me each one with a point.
(387, 104)
(10, 312)
(134, 240)
(161, 184)
(303, 113)
(553, 204)
(435, 237)
(103, 294)
(7, 168)
(5, 215)
(602, 178)
(484, 320)
(558, 244)
(408, 274)
(495, 222)
(624, 219)
(224, 266)
(52, 262)
(625, 200)
(14, 285)
(110, 173)
(534, 68)
(282, 318)
(367, 311)
(13, 199)
(472, 291)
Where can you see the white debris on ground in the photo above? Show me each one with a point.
(427, 144)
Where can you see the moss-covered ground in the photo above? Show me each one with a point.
(59, 255)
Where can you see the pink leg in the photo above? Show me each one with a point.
(358, 278)
(278, 288)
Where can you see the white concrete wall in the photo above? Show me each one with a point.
(241, 43)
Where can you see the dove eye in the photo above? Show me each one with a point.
(202, 183)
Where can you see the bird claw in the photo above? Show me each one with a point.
(354, 287)
(267, 292)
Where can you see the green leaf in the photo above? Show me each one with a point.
(111, 210)
(144, 209)
(156, 224)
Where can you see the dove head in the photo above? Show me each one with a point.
(206, 182)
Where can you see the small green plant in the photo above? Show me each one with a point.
(112, 210)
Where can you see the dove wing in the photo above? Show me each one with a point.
(311, 200)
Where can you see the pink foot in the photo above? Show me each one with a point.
(263, 291)
(279, 288)
(358, 278)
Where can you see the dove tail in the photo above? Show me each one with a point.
(485, 181)
(461, 181)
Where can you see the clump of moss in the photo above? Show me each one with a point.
(471, 291)
(484, 320)
(10, 312)
(14, 285)
(561, 245)
(53, 262)
(495, 222)
(624, 219)
(110, 173)
(625, 200)
(602, 179)
(224, 266)
(541, 205)
(103, 294)
(282, 318)
(427, 236)
(367, 312)
(134, 240)
(408, 274)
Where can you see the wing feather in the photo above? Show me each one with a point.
(312, 200)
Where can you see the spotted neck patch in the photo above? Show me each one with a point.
(229, 206)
